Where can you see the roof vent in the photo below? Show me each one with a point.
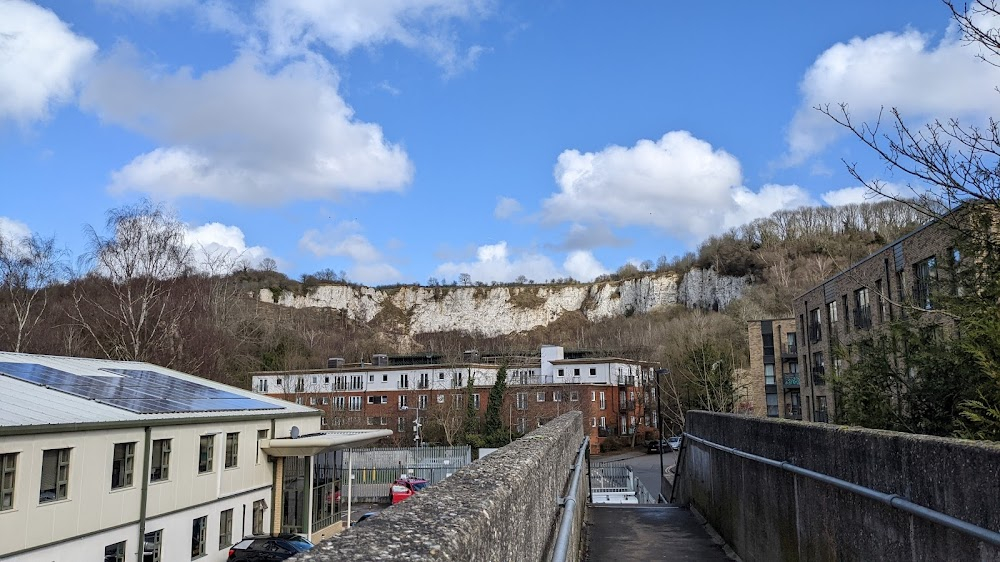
(380, 359)
(295, 432)
(334, 362)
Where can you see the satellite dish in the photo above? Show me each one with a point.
(295, 432)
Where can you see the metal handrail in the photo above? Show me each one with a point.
(892, 500)
(568, 515)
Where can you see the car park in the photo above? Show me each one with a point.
(268, 548)
(404, 487)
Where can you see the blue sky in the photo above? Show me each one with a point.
(402, 140)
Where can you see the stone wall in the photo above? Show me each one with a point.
(503, 507)
(766, 513)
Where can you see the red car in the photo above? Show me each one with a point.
(406, 486)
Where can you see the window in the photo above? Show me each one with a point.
(593, 422)
(574, 396)
(400, 425)
(815, 330)
(115, 552)
(522, 424)
(604, 422)
(422, 402)
(378, 399)
(312, 400)
(153, 546)
(475, 401)
(206, 450)
(440, 376)
(557, 396)
(403, 402)
(122, 463)
(355, 403)
(258, 517)
(160, 463)
(879, 301)
(55, 475)
(232, 449)
(847, 321)
(522, 401)
(593, 396)
(300, 384)
(298, 400)
(862, 309)
(262, 385)
(357, 382)
(325, 400)
(560, 373)
(540, 396)
(338, 402)
(425, 380)
(8, 468)
(831, 316)
(791, 342)
(198, 535)
(225, 529)
(404, 381)
(768, 373)
(261, 435)
(603, 404)
(593, 371)
(576, 372)
(924, 276)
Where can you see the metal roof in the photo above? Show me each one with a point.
(24, 404)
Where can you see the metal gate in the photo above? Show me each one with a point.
(375, 470)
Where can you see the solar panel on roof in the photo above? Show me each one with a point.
(136, 390)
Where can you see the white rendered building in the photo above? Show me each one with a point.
(124, 461)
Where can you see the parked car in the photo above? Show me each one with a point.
(404, 487)
(268, 548)
(655, 446)
(674, 442)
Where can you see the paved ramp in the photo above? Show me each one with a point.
(647, 532)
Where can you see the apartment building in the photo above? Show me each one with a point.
(901, 277)
(773, 371)
(130, 461)
(399, 392)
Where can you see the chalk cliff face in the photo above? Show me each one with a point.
(494, 311)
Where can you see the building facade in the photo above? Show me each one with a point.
(401, 392)
(131, 461)
(902, 277)
(774, 369)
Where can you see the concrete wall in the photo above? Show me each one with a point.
(766, 513)
(503, 507)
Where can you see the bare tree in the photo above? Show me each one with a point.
(127, 304)
(28, 267)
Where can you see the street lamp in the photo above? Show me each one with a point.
(659, 422)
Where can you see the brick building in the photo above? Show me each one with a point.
(899, 278)
(394, 391)
(774, 369)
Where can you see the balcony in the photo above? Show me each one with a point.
(821, 416)
(625, 380)
(790, 379)
(815, 332)
(863, 318)
(793, 412)
(789, 351)
(818, 372)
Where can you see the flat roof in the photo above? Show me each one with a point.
(25, 404)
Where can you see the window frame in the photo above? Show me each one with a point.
(225, 528)
(199, 537)
(117, 554)
(257, 524)
(232, 454)
(61, 459)
(126, 471)
(8, 468)
(206, 449)
(160, 461)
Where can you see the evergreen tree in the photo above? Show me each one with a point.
(493, 428)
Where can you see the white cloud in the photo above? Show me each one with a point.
(40, 61)
(344, 240)
(583, 266)
(678, 184)
(861, 194)
(293, 27)
(12, 231)
(902, 70)
(219, 248)
(243, 134)
(586, 237)
(506, 208)
(496, 262)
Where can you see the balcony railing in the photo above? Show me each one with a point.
(789, 350)
(793, 412)
(625, 380)
(818, 372)
(815, 332)
(863, 318)
(790, 379)
(423, 384)
(821, 416)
